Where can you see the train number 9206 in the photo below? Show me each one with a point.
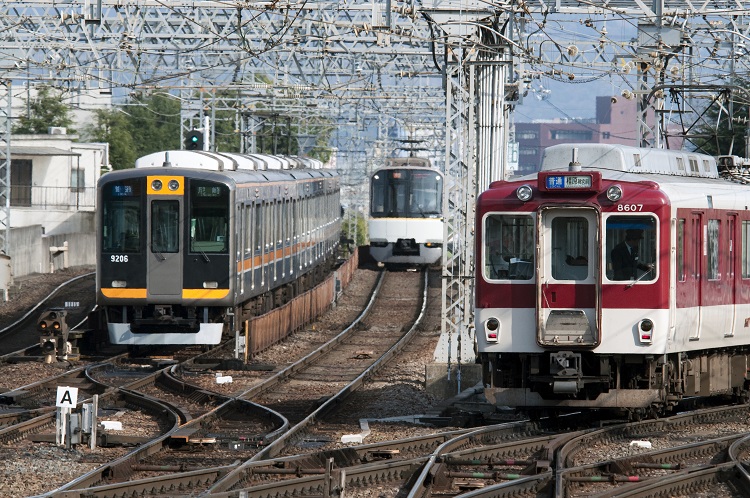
(118, 258)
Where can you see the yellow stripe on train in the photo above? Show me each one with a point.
(119, 293)
(204, 293)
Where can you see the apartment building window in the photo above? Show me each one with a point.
(77, 179)
(526, 135)
(606, 135)
(574, 135)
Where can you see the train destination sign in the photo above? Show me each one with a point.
(573, 182)
(568, 181)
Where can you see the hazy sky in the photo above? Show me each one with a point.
(564, 100)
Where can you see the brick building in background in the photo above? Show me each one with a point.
(615, 123)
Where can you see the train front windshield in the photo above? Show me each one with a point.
(406, 194)
(509, 247)
(630, 243)
(121, 217)
(209, 217)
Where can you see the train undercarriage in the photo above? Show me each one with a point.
(639, 385)
(180, 324)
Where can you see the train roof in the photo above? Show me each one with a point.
(407, 163)
(225, 161)
(233, 176)
(399, 162)
(627, 159)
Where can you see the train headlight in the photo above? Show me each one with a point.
(645, 331)
(173, 185)
(492, 329)
(524, 193)
(614, 193)
(156, 185)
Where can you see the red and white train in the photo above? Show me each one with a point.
(616, 277)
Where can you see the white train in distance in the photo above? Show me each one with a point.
(406, 213)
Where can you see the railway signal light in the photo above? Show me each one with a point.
(194, 140)
(52, 322)
(54, 333)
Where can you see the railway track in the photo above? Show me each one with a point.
(208, 433)
(160, 456)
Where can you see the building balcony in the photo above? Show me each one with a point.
(56, 198)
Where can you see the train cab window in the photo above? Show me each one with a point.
(209, 217)
(426, 194)
(121, 218)
(570, 246)
(508, 247)
(400, 193)
(630, 245)
(165, 226)
(378, 195)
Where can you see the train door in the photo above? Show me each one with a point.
(716, 282)
(567, 296)
(731, 284)
(690, 295)
(165, 261)
(239, 237)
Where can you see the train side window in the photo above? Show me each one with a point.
(630, 245)
(712, 244)
(165, 226)
(268, 232)
(693, 164)
(249, 208)
(681, 274)
(508, 247)
(745, 249)
(258, 228)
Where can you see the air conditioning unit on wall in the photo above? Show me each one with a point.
(57, 130)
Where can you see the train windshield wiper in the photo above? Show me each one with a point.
(205, 256)
(636, 280)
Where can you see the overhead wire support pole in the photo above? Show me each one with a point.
(5, 137)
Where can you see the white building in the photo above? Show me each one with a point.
(53, 181)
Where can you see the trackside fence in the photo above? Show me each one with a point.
(270, 328)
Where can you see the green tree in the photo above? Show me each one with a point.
(154, 123)
(723, 133)
(354, 227)
(43, 111)
(227, 135)
(112, 126)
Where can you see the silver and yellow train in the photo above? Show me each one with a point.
(192, 243)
